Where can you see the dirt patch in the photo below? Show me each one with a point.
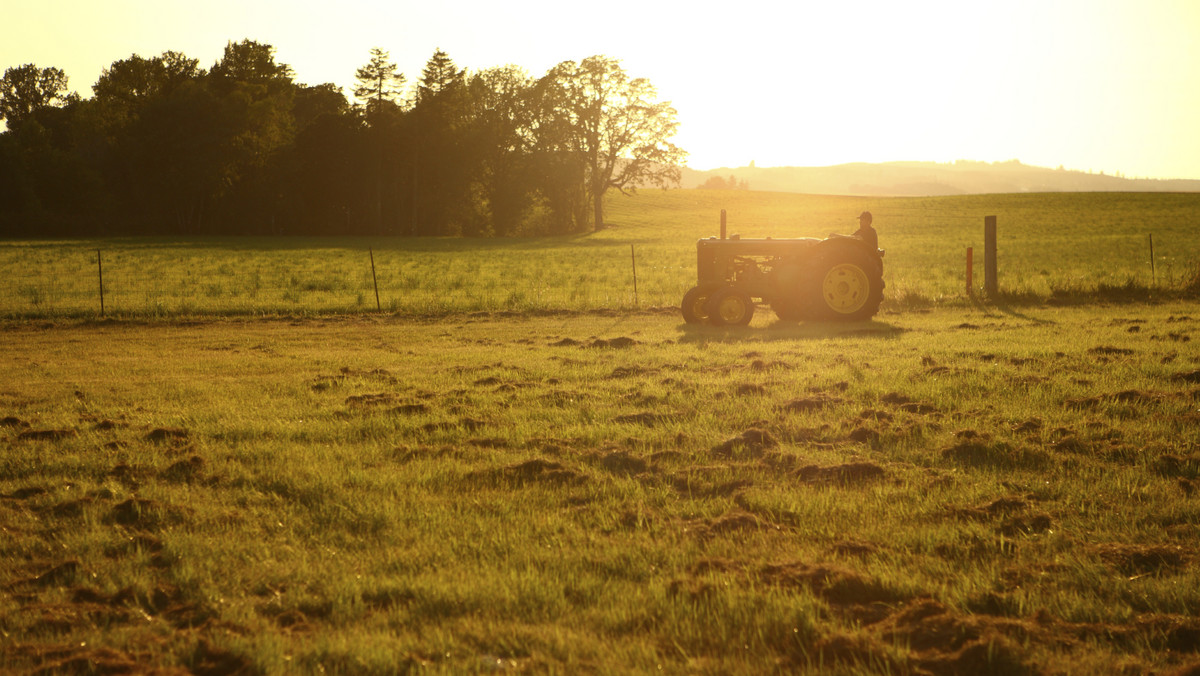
(71, 509)
(1139, 560)
(646, 418)
(406, 454)
(72, 659)
(1188, 377)
(160, 434)
(323, 383)
(26, 493)
(631, 371)
(129, 475)
(1136, 397)
(833, 583)
(696, 485)
(1010, 511)
(621, 462)
(895, 399)
(863, 435)
(990, 654)
(927, 625)
(813, 403)
(855, 650)
(373, 399)
(186, 470)
(618, 342)
(1031, 426)
(734, 521)
(144, 514)
(1106, 350)
(857, 548)
(848, 474)
(409, 409)
(565, 342)
(753, 442)
(45, 435)
(58, 575)
(537, 470)
(372, 374)
(209, 660)
(976, 453)
(750, 390)
(468, 424)
(13, 421)
(1031, 524)
(1082, 403)
(919, 408)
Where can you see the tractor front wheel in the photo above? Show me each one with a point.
(730, 306)
(694, 302)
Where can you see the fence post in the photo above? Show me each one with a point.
(374, 281)
(1152, 280)
(991, 284)
(100, 272)
(633, 260)
(970, 271)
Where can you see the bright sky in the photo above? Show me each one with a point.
(1100, 85)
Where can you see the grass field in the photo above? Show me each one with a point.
(1064, 247)
(955, 490)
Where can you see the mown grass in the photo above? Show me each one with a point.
(961, 490)
(1064, 247)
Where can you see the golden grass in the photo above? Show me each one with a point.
(949, 491)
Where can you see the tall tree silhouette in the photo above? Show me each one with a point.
(379, 81)
(379, 86)
(439, 120)
(26, 89)
(616, 125)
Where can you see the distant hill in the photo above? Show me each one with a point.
(931, 178)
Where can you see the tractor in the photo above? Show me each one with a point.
(803, 278)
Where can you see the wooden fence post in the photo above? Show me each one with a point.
(1152, 280)
(991, 285)
(100, 272)
(374, 280)
(633, 260)
(970, 271)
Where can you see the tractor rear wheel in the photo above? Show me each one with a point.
(845, 284)
(694, 302)
(730, 306)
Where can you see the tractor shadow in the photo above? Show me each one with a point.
(779, 330)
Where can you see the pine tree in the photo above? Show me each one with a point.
(378, 81)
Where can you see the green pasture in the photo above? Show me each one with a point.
(937, 491)
(1065, 246)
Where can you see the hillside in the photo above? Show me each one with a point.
(931, 178)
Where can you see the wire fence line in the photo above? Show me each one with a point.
(43, 282)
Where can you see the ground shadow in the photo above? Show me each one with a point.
(1006, 308)
(788, 331)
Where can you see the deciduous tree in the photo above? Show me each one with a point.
(615, 124)
(25, 89)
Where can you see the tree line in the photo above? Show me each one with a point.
(165, 147)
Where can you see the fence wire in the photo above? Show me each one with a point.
(43, 282)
